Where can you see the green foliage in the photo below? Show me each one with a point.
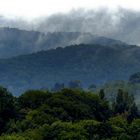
(102, 94)
(33, 98)
(14, 137)
(124, 136)
(64, 131)
(7, 107)
(125, 105)
(118, 121)
(134, 129)
(80, 105)
(68, 114)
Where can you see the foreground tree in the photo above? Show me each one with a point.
(133, 113)
(102, 94)
(33, 99)
(7, 107)
(125, 104)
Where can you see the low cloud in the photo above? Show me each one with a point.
(121, 24)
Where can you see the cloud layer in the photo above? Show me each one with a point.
(121, 24)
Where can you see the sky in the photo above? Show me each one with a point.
(31, 9)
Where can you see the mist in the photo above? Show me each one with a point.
(120, 24)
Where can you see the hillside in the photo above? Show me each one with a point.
(91, 64)
(15, 42)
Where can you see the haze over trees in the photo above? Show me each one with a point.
(14, 42)
(87, 63)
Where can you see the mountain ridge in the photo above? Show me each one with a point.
(91, 64)
(14, 42)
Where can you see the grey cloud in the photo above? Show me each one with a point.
(123, 25)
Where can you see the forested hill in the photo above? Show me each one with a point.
(87, 63)
(15, 42)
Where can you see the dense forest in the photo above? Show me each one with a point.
(68, 114)
(88, 63)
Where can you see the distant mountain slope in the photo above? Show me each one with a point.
(15, 42)
(87, 63)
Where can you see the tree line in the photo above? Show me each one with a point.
(68, 114)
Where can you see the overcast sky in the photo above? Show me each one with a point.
(30, 9)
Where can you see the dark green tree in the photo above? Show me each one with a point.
(133, 113)
(33, 98)
(125, 104)
(7, 107)
(102, 94)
